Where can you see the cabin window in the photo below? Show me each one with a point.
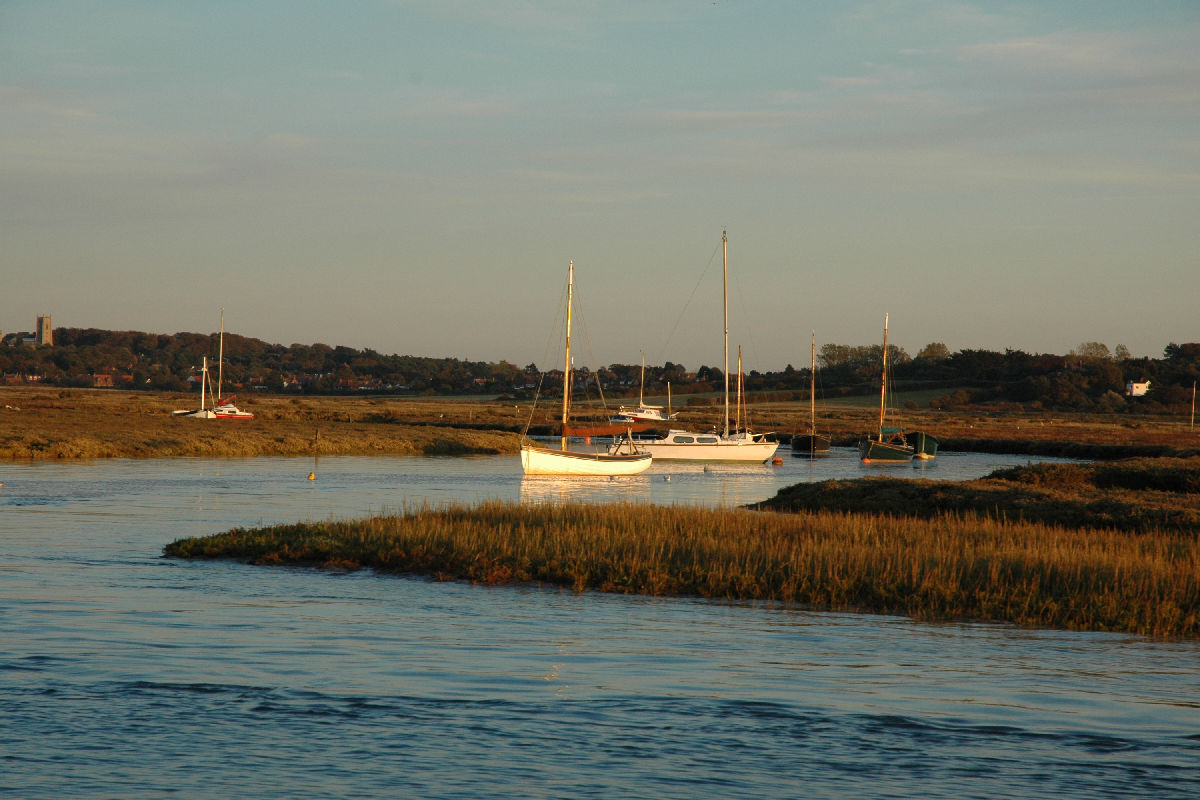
(707, 440)
(683, 440)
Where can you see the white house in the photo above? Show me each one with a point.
(1135, 389)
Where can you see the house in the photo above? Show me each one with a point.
(1136, 388)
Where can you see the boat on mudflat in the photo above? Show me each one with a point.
(643, 412)
(203, 412)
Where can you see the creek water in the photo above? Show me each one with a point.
(126, 674)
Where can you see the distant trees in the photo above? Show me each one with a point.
(1093, 350)
(1088, 377)
(934, 351)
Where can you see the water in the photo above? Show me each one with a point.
(124, 674)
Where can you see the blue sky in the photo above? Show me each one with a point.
(414, 176)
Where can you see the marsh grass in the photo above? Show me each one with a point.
(90, 424)
(952, 567)
(1138, 495)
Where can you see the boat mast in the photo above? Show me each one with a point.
(725, 302)
(642, 382)
(567, 359)
(812, 390)
(204, 381)
(221, 355)
(737, 408)
(883, 381)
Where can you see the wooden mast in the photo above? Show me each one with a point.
(567, 357)
(883, 381)
(221, 357)
(725, 303)
(812, 394)
(737, 424)
(642, 382)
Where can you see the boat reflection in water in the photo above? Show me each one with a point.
(538, 489)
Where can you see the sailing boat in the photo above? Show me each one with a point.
(225, 409)
(643, 412)
(811, 443)
(893, 449)
(548, 461)
(205, 389)
(681, 445)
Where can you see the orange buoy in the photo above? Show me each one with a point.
(777, 461)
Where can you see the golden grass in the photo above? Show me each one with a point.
(953, 567)
(1133, 495)
(82, 423)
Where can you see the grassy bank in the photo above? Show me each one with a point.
(1139, 495)
(81, 423)
(952, 567)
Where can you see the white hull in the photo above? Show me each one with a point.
(230, 411)
(545, 461)
(642, 414)
(200, 413)
(688, 446)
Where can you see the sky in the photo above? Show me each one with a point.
(414, 177)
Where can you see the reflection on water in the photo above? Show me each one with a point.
(125, 674)
(565, 488)
(731, 484)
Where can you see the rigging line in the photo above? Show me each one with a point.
(556, 328)
(741, 296)
(703, 275)
(585, 335)
(533, 407)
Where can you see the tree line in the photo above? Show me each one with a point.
(1089, 377)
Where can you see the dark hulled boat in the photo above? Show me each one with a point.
(811, 443)
(924, 445)
(889, 446)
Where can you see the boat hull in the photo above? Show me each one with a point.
(810, 443)
(642, 414)
(924, 446)
(546, 461)
(873, 451)
(199, 413)
(686, 446)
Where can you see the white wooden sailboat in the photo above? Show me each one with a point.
(204, 411)
(681, 445)
(537, 460)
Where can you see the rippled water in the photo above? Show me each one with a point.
(124, 674)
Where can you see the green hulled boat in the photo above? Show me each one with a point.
(924, 445)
